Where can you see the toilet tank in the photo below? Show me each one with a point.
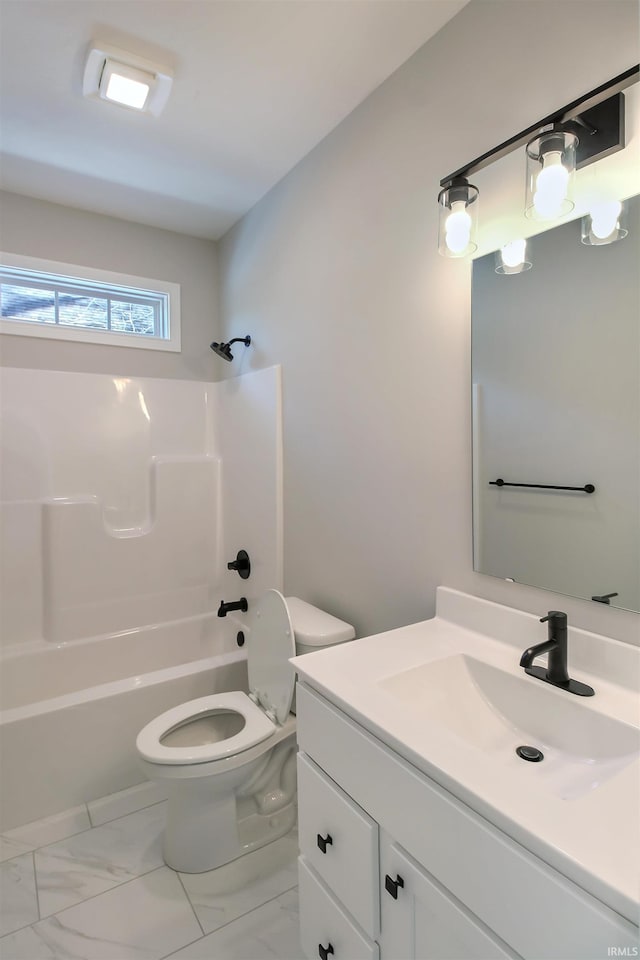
(314, 629)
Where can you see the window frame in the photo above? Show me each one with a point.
(66, 273)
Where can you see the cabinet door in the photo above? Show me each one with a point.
(420, 920)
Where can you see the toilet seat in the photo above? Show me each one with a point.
(257, 727)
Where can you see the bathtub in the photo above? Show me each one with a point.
(70, 712)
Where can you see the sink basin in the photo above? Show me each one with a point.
(495, 711)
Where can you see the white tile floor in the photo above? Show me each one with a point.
(81, 886)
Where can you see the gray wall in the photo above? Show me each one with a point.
(39, 229)
(336, 276)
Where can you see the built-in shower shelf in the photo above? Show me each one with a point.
(158, 467)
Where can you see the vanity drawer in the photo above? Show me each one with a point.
(325, 926)
(340, 841)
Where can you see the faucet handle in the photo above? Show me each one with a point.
(241, 564)
(554, 615)
(605, 598)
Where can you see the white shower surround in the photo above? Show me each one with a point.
(122, 500)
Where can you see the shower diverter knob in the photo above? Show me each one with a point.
(241, 564)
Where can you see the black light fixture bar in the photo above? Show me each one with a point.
(577, 108)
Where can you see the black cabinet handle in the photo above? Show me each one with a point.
(323, 952)
(323, 842)
(391, 886)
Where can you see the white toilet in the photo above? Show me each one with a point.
(229, 760)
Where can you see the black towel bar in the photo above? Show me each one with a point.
(588, 487)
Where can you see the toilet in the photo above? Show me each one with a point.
(228, 761)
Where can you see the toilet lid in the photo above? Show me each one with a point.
(270, 645)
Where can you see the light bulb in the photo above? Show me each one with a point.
(604, 218)
(458, 227)
(551, 186)
(513, 253)
(125, 90)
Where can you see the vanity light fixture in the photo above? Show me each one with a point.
(125, 79)
(605, 223)
(583, 131)
(458, 218)
(512, 257)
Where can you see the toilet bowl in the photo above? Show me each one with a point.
(228, 761)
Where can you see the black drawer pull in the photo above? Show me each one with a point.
(324, 952)
(391, 886)
(323, 842)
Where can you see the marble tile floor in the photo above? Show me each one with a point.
(72, 890)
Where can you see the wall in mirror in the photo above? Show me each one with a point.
(556, 401)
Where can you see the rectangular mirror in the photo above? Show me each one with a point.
(556, 403)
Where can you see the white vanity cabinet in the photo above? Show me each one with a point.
(394, 867)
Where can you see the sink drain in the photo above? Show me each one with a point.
(530, 753)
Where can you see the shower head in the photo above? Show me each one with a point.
(224, 349)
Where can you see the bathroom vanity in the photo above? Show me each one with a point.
(423, 834)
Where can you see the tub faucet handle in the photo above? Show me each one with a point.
(241, 564)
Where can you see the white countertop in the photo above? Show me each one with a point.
(592, 838)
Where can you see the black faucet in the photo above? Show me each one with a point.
(556, 646)
(226, 608)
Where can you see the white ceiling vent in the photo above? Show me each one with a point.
(126, 79)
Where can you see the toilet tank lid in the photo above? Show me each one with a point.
(316, 627)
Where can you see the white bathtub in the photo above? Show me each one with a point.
(71, 712)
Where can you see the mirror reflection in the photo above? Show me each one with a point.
(556, 401)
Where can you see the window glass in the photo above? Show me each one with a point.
(27, 303)
(82, 311)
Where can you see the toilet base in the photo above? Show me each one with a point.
(253, 832)
(214, 820)
(279, 857)
(198, 838)
(257, 830)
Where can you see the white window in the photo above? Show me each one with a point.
(41, 298)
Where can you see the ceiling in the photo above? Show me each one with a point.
(258, 83)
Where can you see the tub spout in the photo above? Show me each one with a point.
(226, 608)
